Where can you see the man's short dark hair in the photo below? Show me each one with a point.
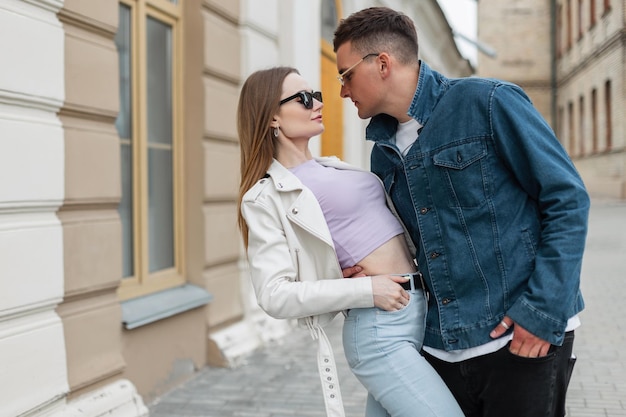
(379, 29)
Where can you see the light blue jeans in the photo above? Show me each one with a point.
(382, 349)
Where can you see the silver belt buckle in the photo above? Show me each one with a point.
(412, 279)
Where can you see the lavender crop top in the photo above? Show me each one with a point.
(355, 208)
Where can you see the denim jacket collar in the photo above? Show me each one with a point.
(430, 87)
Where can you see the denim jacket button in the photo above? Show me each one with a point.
(446, 301)
(424, 210)
(434, 255)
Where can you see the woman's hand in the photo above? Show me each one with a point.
(353, 272)
(388, 294)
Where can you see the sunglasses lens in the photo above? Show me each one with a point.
(307, 99)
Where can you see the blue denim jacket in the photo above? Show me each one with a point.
(494, 204)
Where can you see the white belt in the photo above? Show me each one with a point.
(327, 371)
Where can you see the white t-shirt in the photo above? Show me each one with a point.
(407, 134)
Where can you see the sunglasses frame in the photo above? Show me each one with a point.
(306, 98)
(341, 76)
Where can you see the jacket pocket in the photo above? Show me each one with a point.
(463, 173)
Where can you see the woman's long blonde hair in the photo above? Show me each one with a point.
(258, 103)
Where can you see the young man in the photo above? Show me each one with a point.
(496, 207)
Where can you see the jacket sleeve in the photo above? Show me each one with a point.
(543, 169)
(279, 290)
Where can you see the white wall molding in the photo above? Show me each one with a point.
(49, 5)
(33, 369)
(42, 10)
(29, 104)
(33, 54)
(119, 399)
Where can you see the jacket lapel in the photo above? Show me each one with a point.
(304, 210)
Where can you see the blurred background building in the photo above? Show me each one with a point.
(121, 266)
(569, 56)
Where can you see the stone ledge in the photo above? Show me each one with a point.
(154, 307)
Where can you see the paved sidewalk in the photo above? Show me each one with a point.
(281, 379)
(598, 386)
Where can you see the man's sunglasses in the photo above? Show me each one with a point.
(306, 98)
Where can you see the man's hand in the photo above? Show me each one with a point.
(524, 343)
(388, 294)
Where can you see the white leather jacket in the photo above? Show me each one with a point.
(294, 269)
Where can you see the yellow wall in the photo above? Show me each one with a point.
(332, 138)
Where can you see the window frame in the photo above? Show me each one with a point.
(142, 282)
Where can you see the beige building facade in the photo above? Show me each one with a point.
(121, 266)
(568, 55)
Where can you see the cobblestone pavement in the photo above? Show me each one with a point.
(280, 380)
(598, 386)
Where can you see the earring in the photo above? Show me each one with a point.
(275, 132)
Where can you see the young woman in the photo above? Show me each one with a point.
(302, 220)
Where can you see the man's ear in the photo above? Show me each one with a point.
(384, 64)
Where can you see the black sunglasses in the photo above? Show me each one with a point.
(306, 98)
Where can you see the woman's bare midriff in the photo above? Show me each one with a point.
(392, 257)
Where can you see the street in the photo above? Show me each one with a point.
(281, 379)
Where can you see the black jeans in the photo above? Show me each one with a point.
(502, 384)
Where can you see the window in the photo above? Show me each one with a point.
(559, 124)
(607, 111)
(581, 124)
(568, 28)
(594, 120)
(580, 18)
(150, 145)
(329, 19)
(572, 133)
(592, 13)
(559, 31)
